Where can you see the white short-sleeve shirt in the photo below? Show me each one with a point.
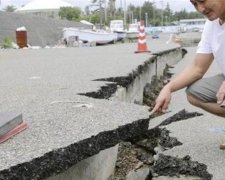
(213, 41)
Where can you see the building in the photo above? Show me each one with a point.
(193, 24)
(46, 8)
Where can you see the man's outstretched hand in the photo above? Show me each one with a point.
(162, 101)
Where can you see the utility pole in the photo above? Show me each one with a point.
(105, 12)
(99, 10)
(146, 19)
(162, 12)
(100, 13)
(132, 17)
(140, 13)
(153, 11)
(125, 13)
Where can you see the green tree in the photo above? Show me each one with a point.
(7, 43)
(10, 9)
(193, 15)
(99, 10)
(183, 14)
(94, 18)
(148, 9)
(132, 13)
(155, 16)
(119, 14)
(167, 14)
(70, 13)
(111, 8)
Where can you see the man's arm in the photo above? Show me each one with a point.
(189, 75)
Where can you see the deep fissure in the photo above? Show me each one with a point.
(139, 152)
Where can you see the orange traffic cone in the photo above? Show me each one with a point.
(142, 46)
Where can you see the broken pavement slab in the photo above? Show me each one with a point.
(65, 127)
(74, 133)
(195, 134)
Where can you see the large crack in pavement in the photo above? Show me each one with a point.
(173, 166)
(143, 145)
(143, 151)
(59, 160)
(181, 115)
(105, 92)
(142, 148)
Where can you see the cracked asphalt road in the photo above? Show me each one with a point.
(199, 142)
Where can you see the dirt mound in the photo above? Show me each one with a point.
(41, 31)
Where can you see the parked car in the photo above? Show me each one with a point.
(155, 35)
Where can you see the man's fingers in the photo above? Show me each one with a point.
(156, 108)
(165, 105)
(221, 93)
(162, 101)
(220, 97)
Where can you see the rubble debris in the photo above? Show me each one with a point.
(139, 153)
(126, 161)
(166, 141)
(173, 166)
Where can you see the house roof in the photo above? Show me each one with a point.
(44, 5)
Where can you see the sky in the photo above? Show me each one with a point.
(175, 5)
